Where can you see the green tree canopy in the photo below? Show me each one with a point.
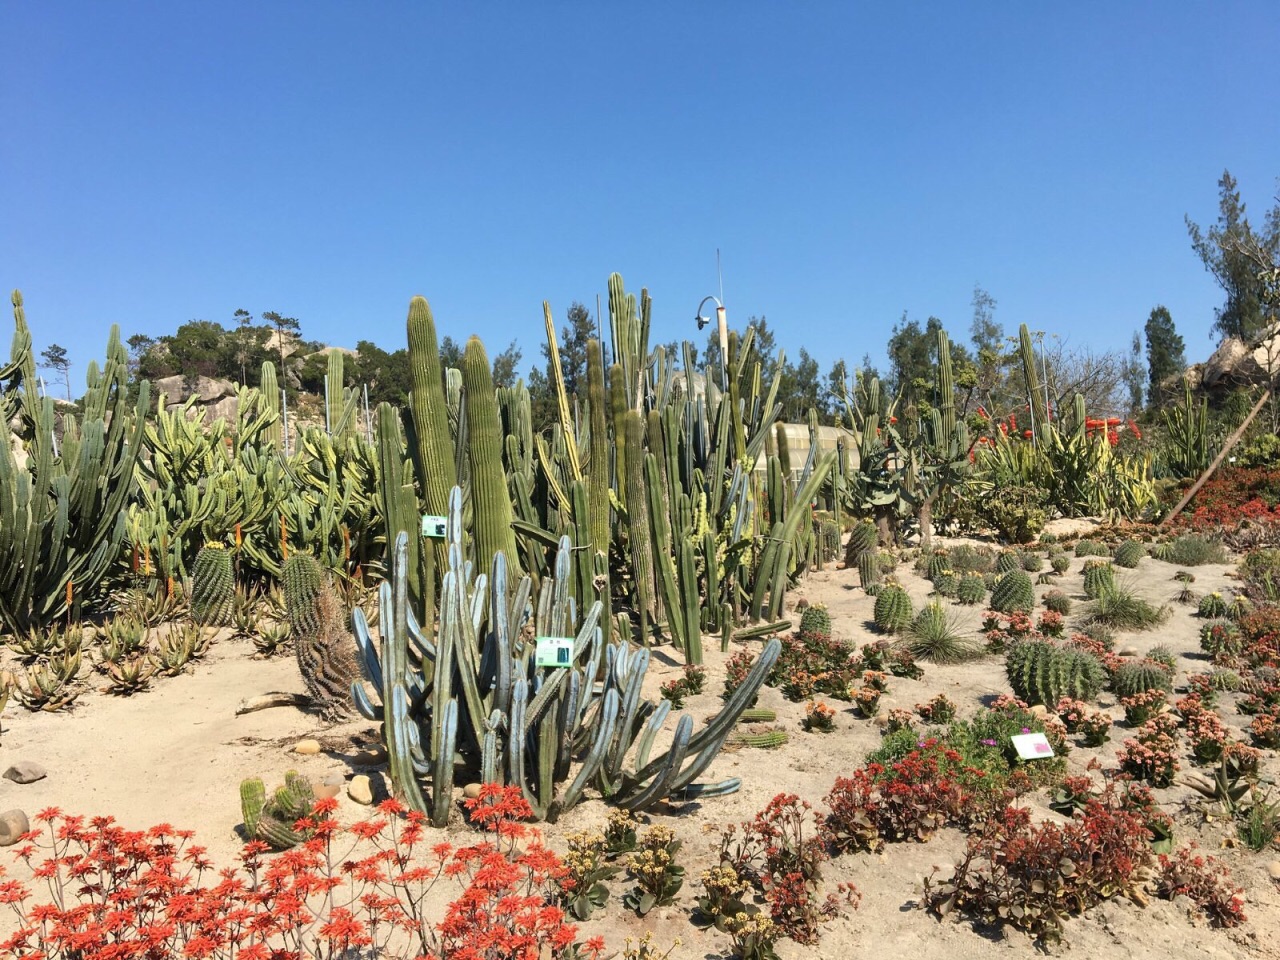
(1166, 355)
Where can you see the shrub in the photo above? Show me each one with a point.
(1194, 550)
(1141, 707)
(1018, 513)
(933, 636)
(818, 717)
(1094, 728)
(937, 710)
(1204, 881)
(653, 867)
(1035, 877)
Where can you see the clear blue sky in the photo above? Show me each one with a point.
(174, 160)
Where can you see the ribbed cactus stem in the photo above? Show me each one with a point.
(434, 454)
(946, 389)
(1031, 378)
(490, 499)
(270, 389)
(638, 533)
(598, 468)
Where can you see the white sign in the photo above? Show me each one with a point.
(553, 652)
(1032, 746)
(434, 527)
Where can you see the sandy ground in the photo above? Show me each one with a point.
(177, 753)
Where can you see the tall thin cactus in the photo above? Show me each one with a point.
(490, 501)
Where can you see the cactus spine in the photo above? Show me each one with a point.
(1041, 672)
(1031, 378)
(893, 609)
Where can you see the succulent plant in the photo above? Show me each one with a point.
(273, 820)
(1091, 548)
(946, 584)
(868, 571)
(938, 561)
(1135, 676)
(893, 609)
(1057, 601)
(1008, 560)
(1060, 563)
(213, 586)
(1013, 592)
(815, 621)
(972, 589)
(1042, 672)
(1129, 553)
(1213, 606)
(1032, 562)
(1099, 577)
(862, 539)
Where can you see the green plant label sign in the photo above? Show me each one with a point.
(1032, 746)
(433, 527)
(553, 652)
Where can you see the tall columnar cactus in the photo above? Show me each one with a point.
(490, 501)
(473, 686)
(1031, 378)
(213, 586)
(62, 516)
(1041, 672)
(598, 467)
(270, 389)
(303, 582)
(868, 570)
(638, 529)
(433, 455)
(946, 386)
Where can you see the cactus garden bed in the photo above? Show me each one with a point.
(176, 753)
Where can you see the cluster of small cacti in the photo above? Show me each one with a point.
(1043, 672)
(1013, 592)
(893, 609)
(274, 819)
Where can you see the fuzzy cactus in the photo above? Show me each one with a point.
(213, 586)
(1041, 672)
(1013, 592)
(1099, 577)
(1129, 554)
(893, 609)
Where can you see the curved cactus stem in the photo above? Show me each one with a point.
(366, 707)
(489, 772)
(568, 723)
(629, 674)
(702, 791)
(656, 720)
(369, 661)
(552, 685)
(642, 797)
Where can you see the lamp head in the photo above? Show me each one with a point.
(702, 321)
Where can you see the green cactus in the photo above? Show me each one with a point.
(1091, 548)
(1013, 592)
(761, 741)
(972, 589)
(213, 586)
(815, 621)
(1058, 602)
(1032, 562)
(1099, 577)
(303, 583)
(433, 454)
(1032, 380)
(862, 539)
(1008, 560)
(1213, 606)
(938, 561)
(490, 499)
(1129, 554)
(868, 570)
(893, 609)
(947, 584)
(274, 820)
(1041, 672)
(829, 536)
(1163, 551)
(758, 715)
(270, 390)
(1136, 676)
(1060, 563)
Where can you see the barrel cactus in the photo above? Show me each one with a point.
(815, 621)
(1042, 672)
(303, 583)
(1137, 676)
(1008, 561)
(868, 571)
(1129, 554)
(946, 584)
(1091, 548)
(213, 586)
(893, 609)
(1163, 551)
(273, 819)
(1060, 563)
(1013, 592)
(972, 589)
(1057, 601)
(862, 539)
(1099, 577)
(1213, 606)
(1032, 562)
(937, 562)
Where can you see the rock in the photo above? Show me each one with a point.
(1273, 869)
(13, 824)
(1071, 526)
(360, 790)
(224, 409)
(471, 791)
(326, 791)
(25, 771)
(1127, 652)
(1040, 710)
(308, 748)
(882, 720)
(369, 757)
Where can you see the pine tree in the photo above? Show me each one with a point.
(1166, 354)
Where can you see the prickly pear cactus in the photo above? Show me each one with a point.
(1129, 554)
(213, 586)
(1013, 592)
(972, 589)
(1099, 578)
(893, 609)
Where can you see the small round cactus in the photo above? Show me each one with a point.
(1014, 592)
(1032, 563)
(937, 563)
(1060, 563)
(1008, 560)
(815, 621)
(1129, 554)
(1091, 548)
(1135, 676)
(946, 584)
(972, 589)
(1213, 606)
(893, 609)
(1058, 602)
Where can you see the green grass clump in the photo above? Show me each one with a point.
(933, 636)
(1121, 609)
(1194, 550)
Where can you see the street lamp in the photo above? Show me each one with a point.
(724, 335)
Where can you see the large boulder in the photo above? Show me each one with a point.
(1237, 364)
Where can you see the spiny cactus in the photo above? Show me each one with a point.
(946, 584)
(862, 539)
(213, 586)
(972, 589)
(815, 621)
(1060, 563)
(868, 570)
(1032, 563)
(893, 609)
(1213, 606)
(1135, 676)
(758, 715)
(1091, 548)
(1008, 561)
(303, 583)
(274, 820)
(1041, 672)
(829, 538)
(1099, 577)
(938, 561)
(1163, 551)
(1057, 601)
(761, 741)
(490, 499)
(1129, 554)
(1013, 592)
